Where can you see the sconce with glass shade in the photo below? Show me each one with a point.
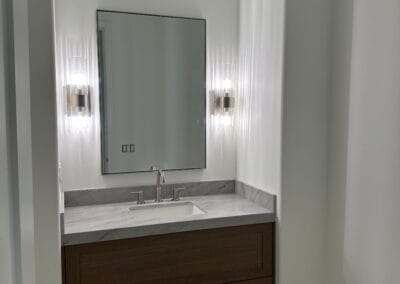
(78, 96)
(223, 103)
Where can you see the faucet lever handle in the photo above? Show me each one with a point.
(140, 199)
(176, 193)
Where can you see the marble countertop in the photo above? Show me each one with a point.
(96, 223)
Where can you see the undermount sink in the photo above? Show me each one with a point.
(165, 211)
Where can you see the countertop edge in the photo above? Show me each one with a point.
(166, 228)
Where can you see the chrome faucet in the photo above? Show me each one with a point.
(177, 194)
(140, 199)
(160, 179)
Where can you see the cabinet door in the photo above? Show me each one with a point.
(209, 256)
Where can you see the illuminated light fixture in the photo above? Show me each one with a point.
(78, 96)
(223, 101)
(228, 102)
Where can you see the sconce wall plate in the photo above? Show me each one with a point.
(78, 100)
(221, 102)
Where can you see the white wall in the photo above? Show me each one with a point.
(44, 143)
(29, 161)
(79, 140)
(6, 232)
(306, 90)
(259, 100)
(372, 227)
(22, 142)
(342, 11)
(260, 93)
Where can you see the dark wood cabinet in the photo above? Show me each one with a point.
(243, 254)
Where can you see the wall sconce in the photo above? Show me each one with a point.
(228, 102)
(223, 101)
(78, 96)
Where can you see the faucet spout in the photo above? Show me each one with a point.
(160, 180)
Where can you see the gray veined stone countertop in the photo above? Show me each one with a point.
(95, 223)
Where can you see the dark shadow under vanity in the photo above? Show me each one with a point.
(242, 254)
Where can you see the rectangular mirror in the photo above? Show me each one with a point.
(152, 92)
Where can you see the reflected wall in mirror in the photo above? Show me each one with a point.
(153, 92)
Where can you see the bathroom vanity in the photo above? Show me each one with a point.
(242, 254)
(213, 238)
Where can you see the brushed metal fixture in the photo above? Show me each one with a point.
(222, 101)
(177, 193)
(228, 102)
(140, 199)
(160, 180)
(78, 100)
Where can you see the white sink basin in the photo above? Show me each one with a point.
(165, 211)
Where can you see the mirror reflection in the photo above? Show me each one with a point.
(152, 87)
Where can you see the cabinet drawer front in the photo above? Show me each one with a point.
(209, 256)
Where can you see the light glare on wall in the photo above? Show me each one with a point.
(227, 120)
(227, 85)
(79, 79)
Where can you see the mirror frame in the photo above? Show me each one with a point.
(102, 93)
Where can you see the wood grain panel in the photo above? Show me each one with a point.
(209, 256)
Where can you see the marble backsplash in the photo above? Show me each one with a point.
(258, 196)
(124, 194)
